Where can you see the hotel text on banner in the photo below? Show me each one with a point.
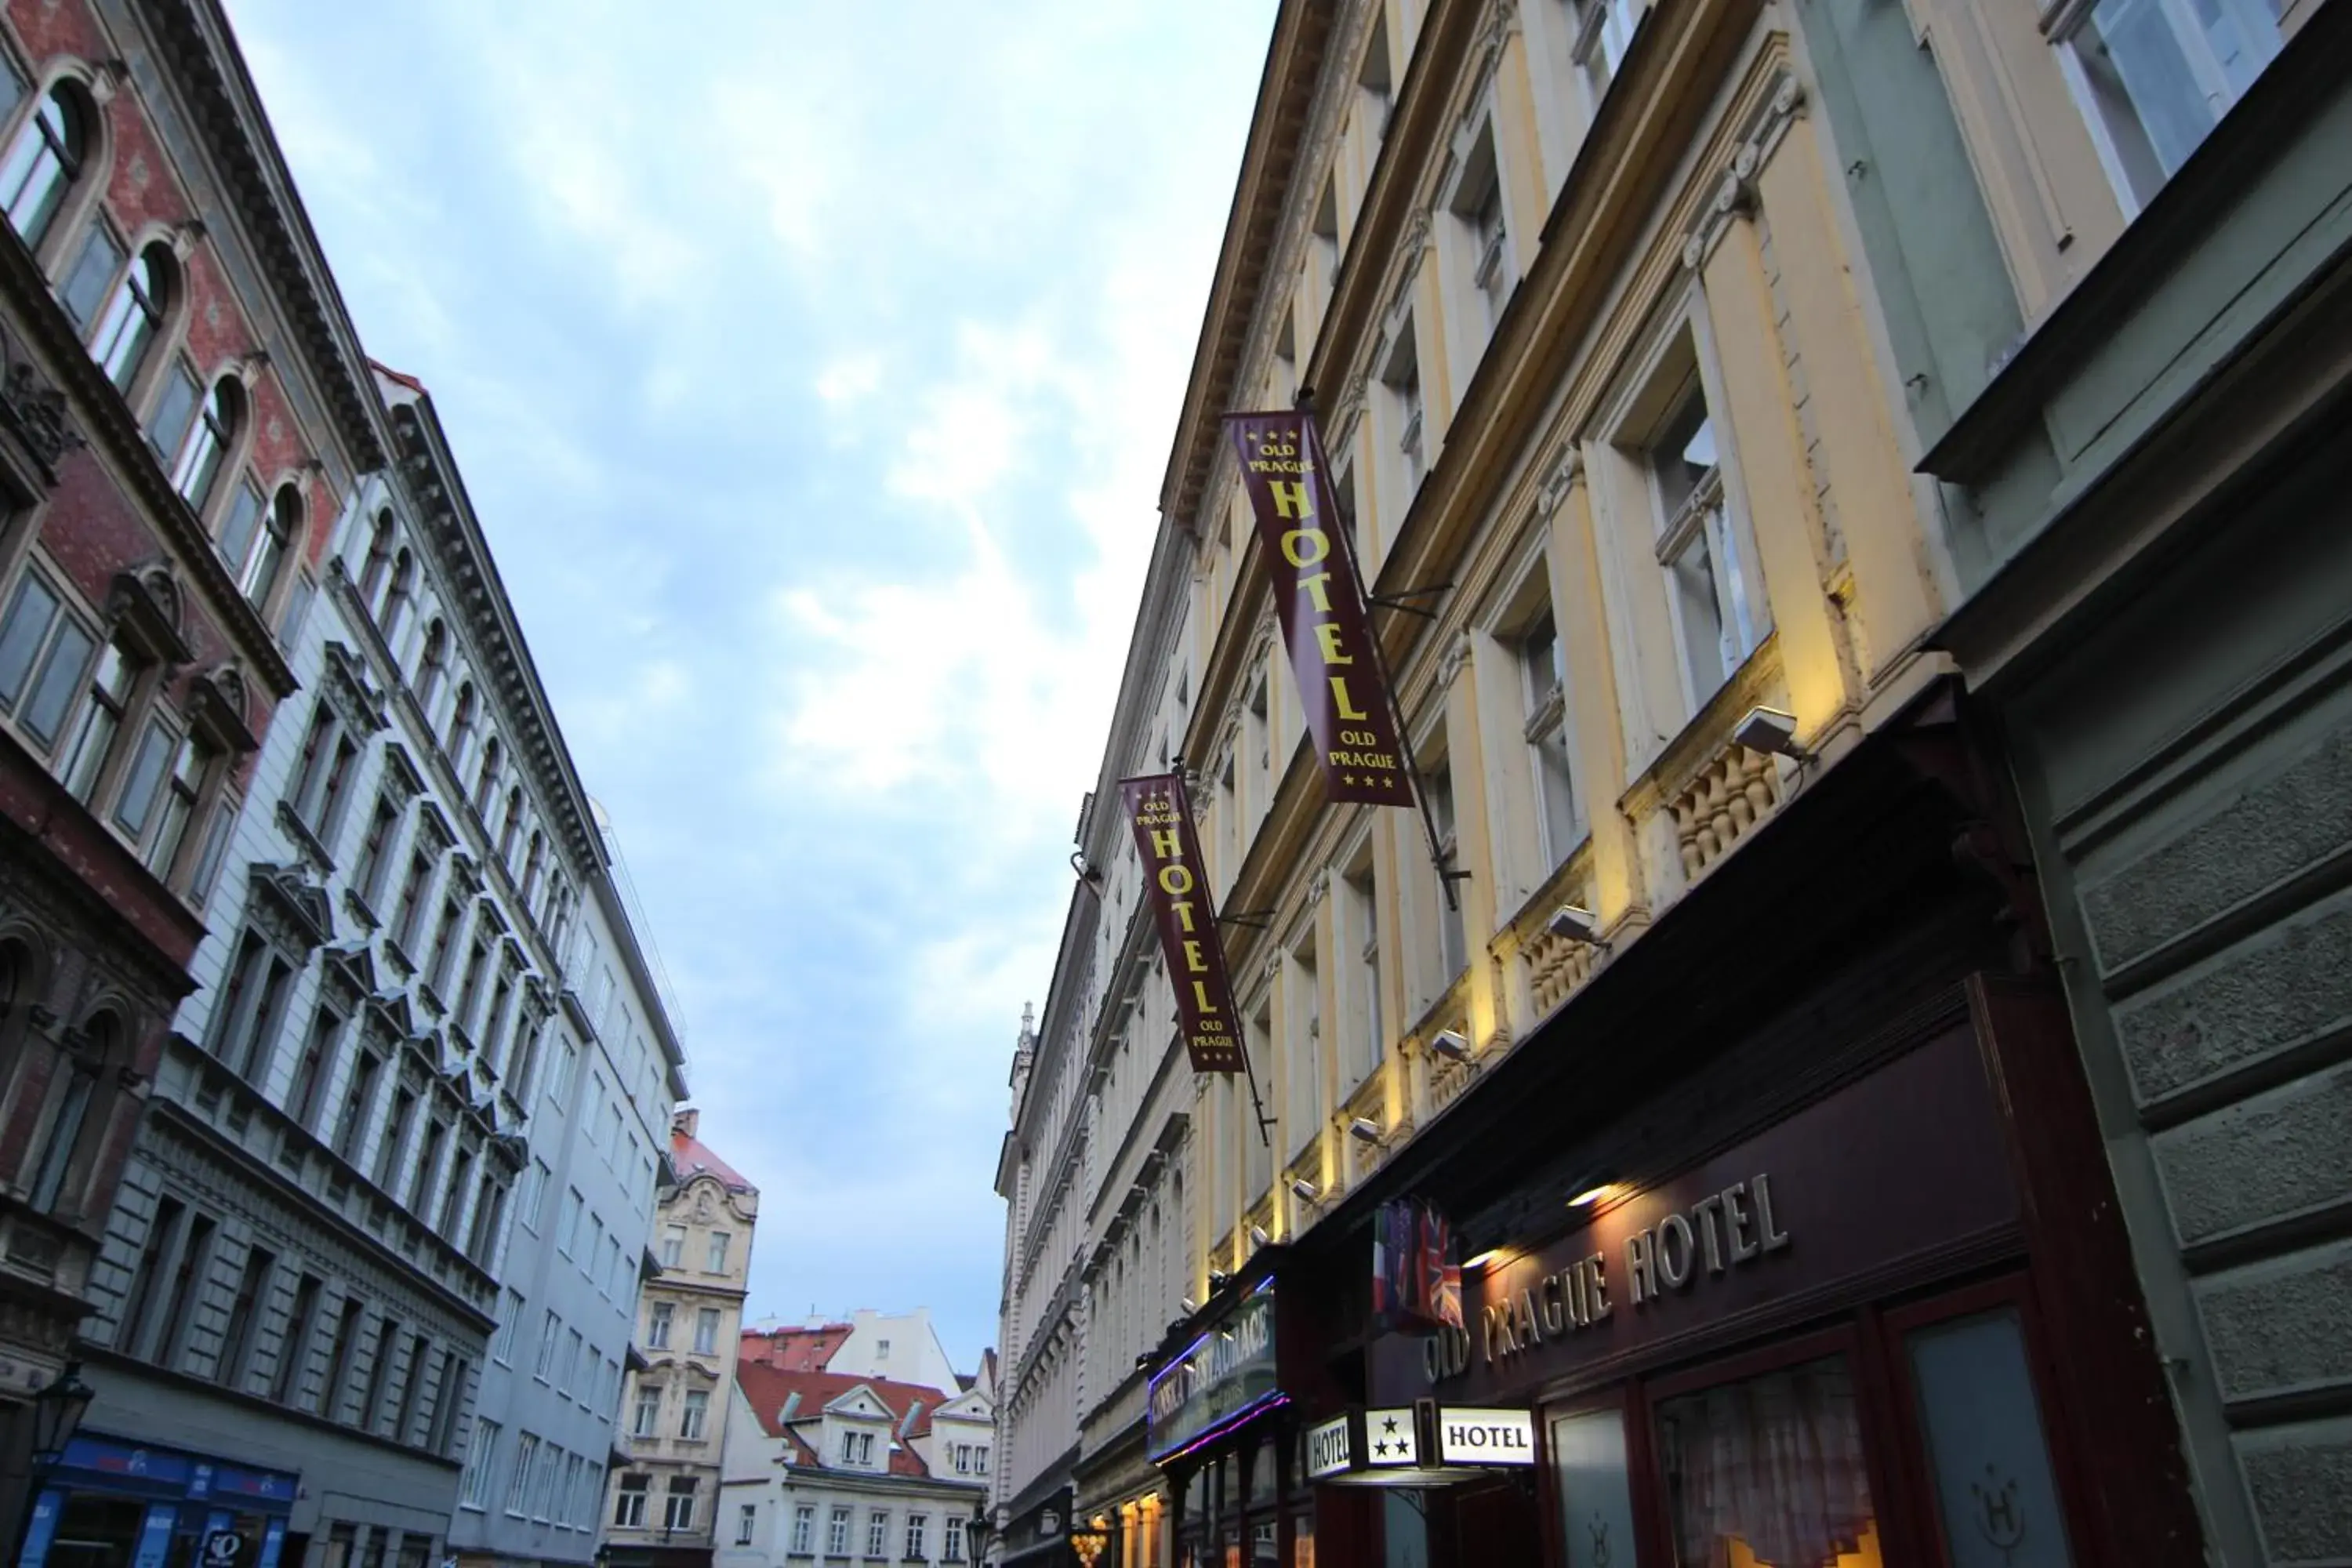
(1322, 610)
(1177, 885)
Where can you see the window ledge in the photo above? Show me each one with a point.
(304, 838)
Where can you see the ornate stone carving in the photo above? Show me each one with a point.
(1562, 478)
(1720, 807)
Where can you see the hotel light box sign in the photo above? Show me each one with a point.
(1424, 1445)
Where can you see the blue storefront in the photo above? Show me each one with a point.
(111, 1503)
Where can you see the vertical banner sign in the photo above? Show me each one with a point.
(1322, 610)
(1178, 887)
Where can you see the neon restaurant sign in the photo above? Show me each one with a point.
(1222, 1379)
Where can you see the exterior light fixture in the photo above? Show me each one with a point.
(1365, 1129)
(1772, 732)
(1188, 1305)
(1258, 1236)
(1304, 1190)
(1601, 1185)
(1450, 1044)
(1482, 1259)
(1218, 1281)
(1573, 922)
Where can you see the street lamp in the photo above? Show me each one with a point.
(57, 1411)
(979, 1531)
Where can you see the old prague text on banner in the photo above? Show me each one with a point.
(1176, 884)
(1321, 607)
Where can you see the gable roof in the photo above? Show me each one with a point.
(766, 1390)
(794, 1348)
(693, 1158)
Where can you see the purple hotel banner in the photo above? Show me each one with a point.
(1176, 882)
(1316, 595)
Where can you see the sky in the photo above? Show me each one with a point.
(813, 367)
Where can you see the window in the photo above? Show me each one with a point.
(134, 317)
(509, 1319)
(294, 1344)
(351, 1121)
(1543, 678)
(44, 161)
(566, 1506)
(567, 1067)
(510, 825)
(174, 412)
(918, 1526)
(657, 1326)
(694, 1416)
(200, 455)
(387, 1340)
(396, 595)
(250, 1001)
(673, 1248)
(629, 1502)
(858, 1447)
(1604, 30)
(428, 1162)
(2154, 78)
(367, 875)
(1402, 379)
(877, 1532)
(251, 1285)
(105, 700)
(705, 1332)
(567, 1229)
(395, 1138)
(678, 1512)
(1477, 205)
(240, 527)
(413, 884)
(836, 1533)
(378, 563)
(1707, 579)
(258, 580)
(716, 1262)
(803, 1530)
(474, 1492)
(534, 1197)
(543, 1492)
(93, 270)
(1437, 792)
(747, 1519)
(194, 1268)
(461, 724)
(646, 1421)
(433, 666)
(518, 1484)
(43, 652)
(951, 1540)
(549, 1335)
(311, 1068)
(339, 1359)
(412, 1383)
(192, 761)
(1712, 1442)
(569, 1370)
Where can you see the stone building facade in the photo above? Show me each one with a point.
(184, 413)
(1611, 313)
(663, 1505)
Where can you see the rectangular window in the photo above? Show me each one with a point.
(951, 1540)
(502, 1342)
(678, 1510)
(142, 780)
(1603, 29)
(1437, 792)
(195, 1264)
(1543, 674)
(551, 1337)
(474, 1492)
(85, 287)
(446, 1402)
(877, 1532)
(339, 1359)
(43, 652)
(367, 874)
(1401, 377)
(396, 1139)
(747, 1519)
(836, 1533)
(176, 410)
(1712, 1445)
(715, 1260)
(543, 1492)
(568, 1227)
(918, 1526)
(387, 1341)
(705, 1331)
(569, 1367)
(294, 1341)
(657, 1325)
(1716, 617)
(413, 884)
(673, 1246)
(803, 1530)
(518, 1484)
(412, 1383)
(191, 762)
(567, 1066)
(567, 1492)
(629, 1502)
(694, 1416)
(647, 1422)
(2154, 78)
(252, 1289)
(90, 744)
(351, 1122)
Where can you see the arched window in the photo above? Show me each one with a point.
(396, 595)
(268, 556)
(44, 161)
(531, 869)
(70, 1111)
(208, 442)
(378, 564)
(461, 724)
(134, 317)
(486, 783)
(434, 666)
(512, 826)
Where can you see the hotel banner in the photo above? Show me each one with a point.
(1176, 882)
(1323, 621)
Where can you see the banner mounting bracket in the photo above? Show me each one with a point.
(1257, 919)
(1397, 601)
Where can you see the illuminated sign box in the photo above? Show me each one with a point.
(1424, 1445)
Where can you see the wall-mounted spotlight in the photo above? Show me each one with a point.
(1188, 1305)
(1088, 872)
(1593, 1189)
(1218, 1281)
(1450, 1044)
(1258, 1236)
(1573, 922)
(1304, 1190)
(1772, 732)
(1365, 1129)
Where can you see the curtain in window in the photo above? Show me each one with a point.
(1774, 1464)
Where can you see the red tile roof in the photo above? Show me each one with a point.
(409, 381)
(692, 1159)
(794, 1349)
(767, 1390)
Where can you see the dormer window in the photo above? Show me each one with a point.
(857, 1448)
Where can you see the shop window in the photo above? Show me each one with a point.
(1595, 1489)
(1769, 1471)
(1986, 1452)
(2154, 78)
